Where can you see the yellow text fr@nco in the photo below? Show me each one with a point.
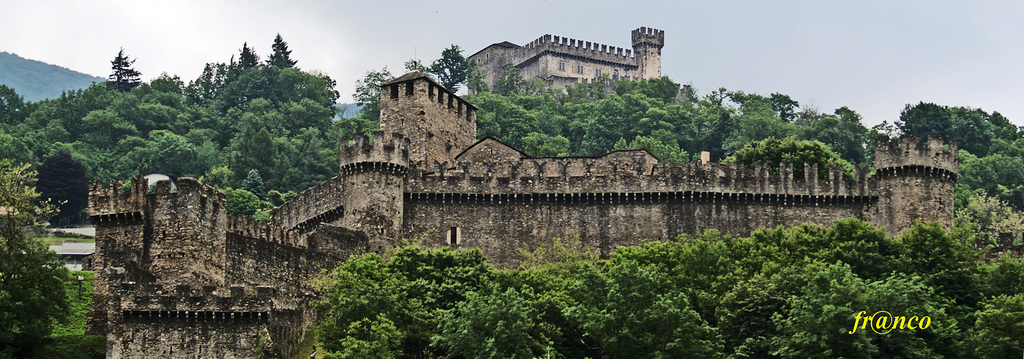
(883, 322)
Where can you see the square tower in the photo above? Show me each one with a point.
(438, 123)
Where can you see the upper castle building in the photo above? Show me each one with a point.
(560, 60)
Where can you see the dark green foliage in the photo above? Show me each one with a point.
(63, 183)
(971, 128)
(37, 81)
(247, 59)
(452, 69)
(281, 56)
(123, 77)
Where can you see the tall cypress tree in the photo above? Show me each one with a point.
(281, 57)
(63, 182)
(123, 77)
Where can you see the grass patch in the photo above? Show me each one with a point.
(59, 240)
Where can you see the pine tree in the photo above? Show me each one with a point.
(248, 58)
(123, 78)
(281, 57)
(254, 183)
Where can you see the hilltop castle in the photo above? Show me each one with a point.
(179, 277)
(560, 61)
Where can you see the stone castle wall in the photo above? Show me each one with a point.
(179, 277)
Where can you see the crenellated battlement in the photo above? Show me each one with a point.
(931, 157)
(113, 200)
(387, 151)
(631, 174)
(572, 47)
(157, 297)
(318, 204)
(648, 36)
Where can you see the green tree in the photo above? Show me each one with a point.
(12, 107)
(495, 325)
(968, 127)
(1000, 327)
(773, 152)
(31, 275)
(282, 56)
(541, 145)
(509, 81)
(367, 93)
(247, 58)
(123, 77)
(254, 184)
(63, 183)
(452, 69)
(242, 202)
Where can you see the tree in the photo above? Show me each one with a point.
(451, 69)
(63, 182)
(281, 56)
(1000, 327)
(510, 81)
(123, 78)
(504, 315)
(31, 275)
(247, 59)
(242, 202)
(773, 152)
(12, 107)
(368, 93)
(254, 184)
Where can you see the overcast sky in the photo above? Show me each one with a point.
(872, 56)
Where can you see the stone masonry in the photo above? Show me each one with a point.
(179, 277)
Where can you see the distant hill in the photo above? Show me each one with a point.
(35, 80)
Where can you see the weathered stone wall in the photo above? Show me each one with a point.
(500, 225)
(436, 124)
(307, 210)
(916, 181)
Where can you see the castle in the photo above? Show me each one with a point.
(179, 277)
(560, 61)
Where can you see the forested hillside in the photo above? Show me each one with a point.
(35, 80)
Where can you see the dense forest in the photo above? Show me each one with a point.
(263, 129)
(780, 293)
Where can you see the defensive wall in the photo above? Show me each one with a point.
(179, 277)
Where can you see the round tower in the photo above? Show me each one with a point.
(915, 181)
(373, 182)
(647, 44)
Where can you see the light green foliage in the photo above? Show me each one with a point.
(242, 202)
(1000, 327)
(989, 218)
(368, 94)
(773, 152)
(31, 276)
(538, 144)
(510, 81)
(504, 315)
(629, 310)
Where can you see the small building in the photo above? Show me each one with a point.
(75, 254)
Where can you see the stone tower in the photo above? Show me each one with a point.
(437, 123)
(373, 181)
(647, 44)
(915, 181)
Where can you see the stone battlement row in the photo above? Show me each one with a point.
(569, 46)
(910, 151)
(552, 175)
(308, 204)
(393, 148)
(163, 297)
(650, 36)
